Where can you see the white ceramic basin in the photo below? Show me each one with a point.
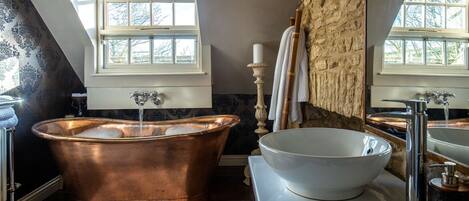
(451, 142)
(325, 163)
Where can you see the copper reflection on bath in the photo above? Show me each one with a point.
(149, 166)
(400, 124)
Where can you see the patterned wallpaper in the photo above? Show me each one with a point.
(45, 80)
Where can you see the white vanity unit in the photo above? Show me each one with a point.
(268, 186)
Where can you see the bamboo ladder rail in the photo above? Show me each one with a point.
(291, 72)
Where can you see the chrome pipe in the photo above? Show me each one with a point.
(11, 165)
(416, 146)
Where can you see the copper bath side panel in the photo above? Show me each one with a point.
(164, 169)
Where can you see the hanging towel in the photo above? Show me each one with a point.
(300, 91)
(9, 123)
(6, 113)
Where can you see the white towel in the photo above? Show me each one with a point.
(9, 123)
(6, 113)
(300, 87)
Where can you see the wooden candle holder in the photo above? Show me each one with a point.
(261, 108)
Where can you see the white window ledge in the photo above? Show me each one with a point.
(147, 74)
(424, 74)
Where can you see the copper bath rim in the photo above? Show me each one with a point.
(150, 165)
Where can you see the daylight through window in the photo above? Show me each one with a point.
(149, 33)
(428, 34)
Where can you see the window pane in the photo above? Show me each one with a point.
(185, 14)
(140, 51)
(185, 50)
(455, 51)
(414, 52)
(393, 52)
(435, 16)
(435, 52)
(455, 17)
(162, 13)
(414, 16)
(117, 14)
(117, 51)
(398, 22)
(139, 14)
(163, 51)
(456, 1)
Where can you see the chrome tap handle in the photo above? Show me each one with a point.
(445, 97)
(140, 97)
(156, 98)
(428, 96)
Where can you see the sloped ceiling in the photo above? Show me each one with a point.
(67, 23)
(379, 19)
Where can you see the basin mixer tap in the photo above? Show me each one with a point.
(416, 146)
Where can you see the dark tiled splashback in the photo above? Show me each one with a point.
(46, 81)
(242, 139)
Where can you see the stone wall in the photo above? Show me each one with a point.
(336, 47)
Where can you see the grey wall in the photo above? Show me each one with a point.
(232, 26)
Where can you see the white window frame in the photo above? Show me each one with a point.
(150, 32)
(425, 34)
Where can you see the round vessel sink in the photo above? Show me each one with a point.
(325, 163)
(451, 142)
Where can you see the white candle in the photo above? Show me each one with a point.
(258, 53)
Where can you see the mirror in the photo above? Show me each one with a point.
(418, 49)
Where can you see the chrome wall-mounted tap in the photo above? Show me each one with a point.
(416, 146)
(438, 97)
(142, 97)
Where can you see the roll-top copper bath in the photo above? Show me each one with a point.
(106, 159)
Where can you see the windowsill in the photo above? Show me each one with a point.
(428, 74)
(147, 74)
(423, 34)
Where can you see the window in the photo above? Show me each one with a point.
(428, 35)
(149, 36)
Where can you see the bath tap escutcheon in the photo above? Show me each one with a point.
(416, 146)
(142, 97)
(156, 98)
(438, 97)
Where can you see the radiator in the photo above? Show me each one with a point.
(3, 163)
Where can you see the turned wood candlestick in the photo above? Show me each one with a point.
(261, 112)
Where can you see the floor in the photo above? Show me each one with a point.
(227, 185)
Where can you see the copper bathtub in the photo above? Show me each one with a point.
(165, 160)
